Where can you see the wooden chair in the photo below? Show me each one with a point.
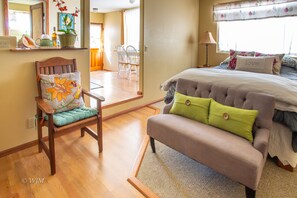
(59, 65)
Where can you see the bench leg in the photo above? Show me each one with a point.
(152, 142)
(250, 193)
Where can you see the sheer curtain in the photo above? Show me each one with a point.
(274, 35)
(132, 27)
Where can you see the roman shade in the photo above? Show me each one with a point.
(247, 10)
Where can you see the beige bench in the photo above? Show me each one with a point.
(226, 153)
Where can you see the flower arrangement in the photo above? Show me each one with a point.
(67, 20)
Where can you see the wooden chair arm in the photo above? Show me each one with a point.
(97, 97)
(46, 108)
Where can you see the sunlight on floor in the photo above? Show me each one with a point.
(114, 89)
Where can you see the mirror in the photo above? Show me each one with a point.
(26, 17)
(37, 17)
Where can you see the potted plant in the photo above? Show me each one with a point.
(68, 38)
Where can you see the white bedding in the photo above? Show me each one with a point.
(283, 90)
(280, 144)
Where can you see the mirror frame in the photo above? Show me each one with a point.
(6, 19)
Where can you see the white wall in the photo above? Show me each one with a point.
(112, 38)
(53, 18)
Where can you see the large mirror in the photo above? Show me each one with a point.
(28, 17)
(37, 17)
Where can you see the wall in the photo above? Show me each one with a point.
(19, 7)
(112, 38)
(1, 18)
(97, 17)
(206, 24)
(18, 90)
(53, 18)
(18, 86)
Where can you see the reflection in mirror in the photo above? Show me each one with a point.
(26, 17)
(29, 17)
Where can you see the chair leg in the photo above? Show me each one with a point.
(82, 132)
(99, 134)
(51, 145)
(39, 129)
(250, 193)
(152, 142)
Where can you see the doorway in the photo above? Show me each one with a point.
(115, 31)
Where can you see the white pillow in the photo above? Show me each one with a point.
(260, 64)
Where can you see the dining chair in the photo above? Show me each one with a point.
(78, 118)
(123, 62)
(134, 60)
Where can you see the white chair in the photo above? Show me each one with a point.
(134, 60)
(123, 62)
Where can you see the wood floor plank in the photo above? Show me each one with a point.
(114, 89)
(81, 170)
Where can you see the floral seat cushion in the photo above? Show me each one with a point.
(68, 117)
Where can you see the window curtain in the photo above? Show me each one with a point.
(247, 10)
(132, 27)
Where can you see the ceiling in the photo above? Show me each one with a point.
(105, 6)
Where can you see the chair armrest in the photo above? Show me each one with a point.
(97, 97)
(46, 108)
(261, 141)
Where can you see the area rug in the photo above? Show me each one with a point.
(171, 174)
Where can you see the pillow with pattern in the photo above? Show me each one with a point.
(289, 62)
(226, 61)
(233, 57)
(276, 63)
(62, 92)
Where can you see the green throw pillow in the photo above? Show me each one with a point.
(234, 120)
(191, 107)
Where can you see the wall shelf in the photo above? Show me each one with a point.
(44, 49)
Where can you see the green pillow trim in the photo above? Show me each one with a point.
(191, 107)
(235, 120)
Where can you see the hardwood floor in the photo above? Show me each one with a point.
(81, 170)
(114, 89)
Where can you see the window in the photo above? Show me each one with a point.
(273, 35)
(19, 23)
(132, 27)
(95, 35)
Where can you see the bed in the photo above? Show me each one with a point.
(283, 138)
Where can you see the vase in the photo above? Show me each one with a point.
(67, 40)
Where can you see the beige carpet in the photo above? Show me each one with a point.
(171, 174)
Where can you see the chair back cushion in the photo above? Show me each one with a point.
(62, 92)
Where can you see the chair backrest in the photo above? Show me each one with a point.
(133, 55)
(233, 97)
(122, 54)
(55, 65)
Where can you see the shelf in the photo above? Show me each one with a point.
(44, 49)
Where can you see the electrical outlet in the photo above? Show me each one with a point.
(30, 123)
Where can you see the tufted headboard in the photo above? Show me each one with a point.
(230, 96)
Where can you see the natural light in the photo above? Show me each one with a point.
(274, 35)
(19, 23)
(132, 27)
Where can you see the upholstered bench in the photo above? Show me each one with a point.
(226, 153)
